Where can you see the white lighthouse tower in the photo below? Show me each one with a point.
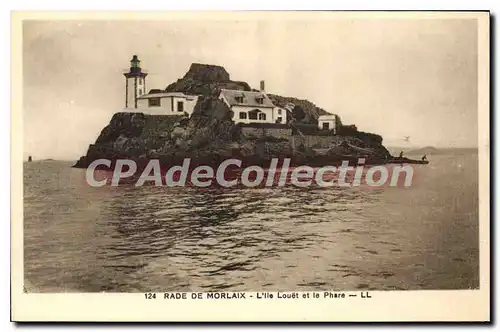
(135, 83)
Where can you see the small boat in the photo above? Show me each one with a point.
(405, 160)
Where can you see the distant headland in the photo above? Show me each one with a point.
(208, 117)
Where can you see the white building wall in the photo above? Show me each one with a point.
(166, 104)
(280, 112)
(330, 119)
(266, 110)
(163, 109)
(130, 92)
(139, 84)
(189, 104)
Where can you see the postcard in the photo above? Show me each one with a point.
(278, 166)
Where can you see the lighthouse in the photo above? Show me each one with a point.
(135, 83)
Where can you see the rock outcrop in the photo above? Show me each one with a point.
(206, 80)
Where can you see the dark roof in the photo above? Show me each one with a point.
(249, 98)
(156, 91)
(164, 94)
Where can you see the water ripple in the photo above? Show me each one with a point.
(79, 238)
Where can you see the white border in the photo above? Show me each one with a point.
(257, 4)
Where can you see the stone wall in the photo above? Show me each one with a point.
(317, 142)
(261, 132)
(310, 141)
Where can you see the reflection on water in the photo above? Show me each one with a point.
(79, 238)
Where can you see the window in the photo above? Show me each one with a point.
(279, 111)
(243, 115)
(140, 92)
(262, 116)
(180, 106)
(260, 100)
(279, 119)
(252, 115)
(326, 125)
(154, 102)
(239, 99)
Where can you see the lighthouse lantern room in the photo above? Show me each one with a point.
(135, 83)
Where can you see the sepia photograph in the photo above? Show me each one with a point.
(266, 158)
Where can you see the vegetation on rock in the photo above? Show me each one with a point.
(304, 111)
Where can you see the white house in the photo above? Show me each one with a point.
(252, 106)
(167, 103)
(328, 122)
(156, 101)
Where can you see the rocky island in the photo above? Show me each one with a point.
(210, 135)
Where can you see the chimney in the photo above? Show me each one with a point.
(262, 86)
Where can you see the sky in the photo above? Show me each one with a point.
(394, 77)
